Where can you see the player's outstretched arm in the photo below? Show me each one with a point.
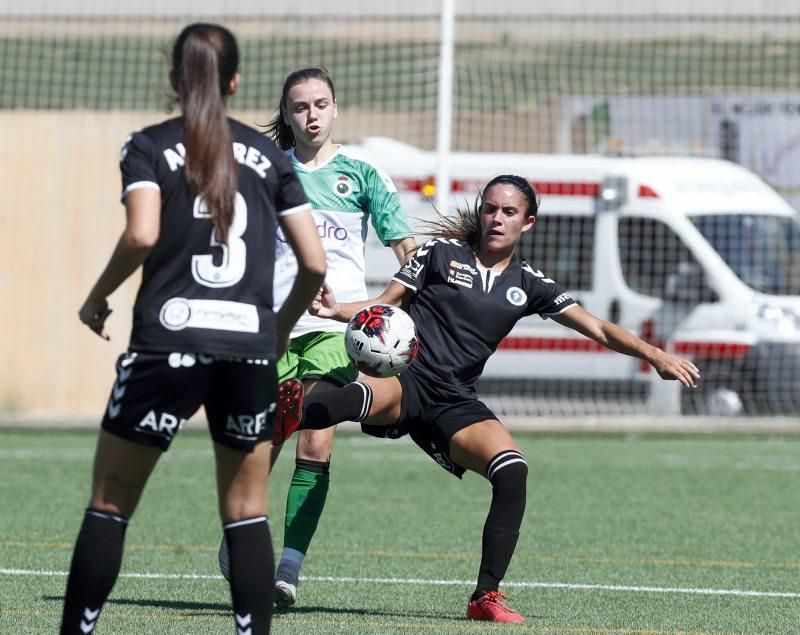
(326, 306)
(618, 339)
(143, 210)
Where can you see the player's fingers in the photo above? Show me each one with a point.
(97, 323)
(690, 369)
(683, 379)
(688, 377)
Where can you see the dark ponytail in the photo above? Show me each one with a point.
(205, 58)
(465, 226)
(277, 129)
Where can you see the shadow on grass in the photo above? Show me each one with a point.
(177, 605)
(310, 610)
(225, 609)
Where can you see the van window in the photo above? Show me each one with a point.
(563, 248)
(655, 262)
(764, 251)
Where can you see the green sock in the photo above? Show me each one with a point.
(304, 504)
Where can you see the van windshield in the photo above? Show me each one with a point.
(763, 251)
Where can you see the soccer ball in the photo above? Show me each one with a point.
(381, 340)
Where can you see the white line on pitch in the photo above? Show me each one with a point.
(424, 582)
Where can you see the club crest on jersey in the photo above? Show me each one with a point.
(343, 187)
(516, 296)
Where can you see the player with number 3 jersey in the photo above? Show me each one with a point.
(204, 196)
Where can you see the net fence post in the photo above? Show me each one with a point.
(444, 106)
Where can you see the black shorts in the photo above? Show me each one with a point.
(156, 393)
(431, 417)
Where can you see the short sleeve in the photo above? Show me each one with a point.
(137, 163)
(387, 215)
(290, 197)
(547, 297)
(414, 273)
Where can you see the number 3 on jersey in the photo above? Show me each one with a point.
(234, 260)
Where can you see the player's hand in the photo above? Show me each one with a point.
(324, 304)
(671, 367)
(94, 313)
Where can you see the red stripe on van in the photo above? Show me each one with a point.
(548, 188)
(712, 350)
(567, 188)
(701, 350)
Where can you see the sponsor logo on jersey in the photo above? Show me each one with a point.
(326, 231)
(440, 457)
(224, 315)
(342, 187)
(412, 269)
(175, 314)
(516, 296)
(462, 273)
(247, 426)
(562, 298)
(164, 424)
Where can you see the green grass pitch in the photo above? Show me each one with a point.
(621, 535)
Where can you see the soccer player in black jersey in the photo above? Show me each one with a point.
(204, 195)
(465, 290)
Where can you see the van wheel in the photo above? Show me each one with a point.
(718, 401)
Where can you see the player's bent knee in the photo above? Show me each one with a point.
(241, 509)
(507, 469)
(315, 445)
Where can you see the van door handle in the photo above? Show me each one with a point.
(614, 311)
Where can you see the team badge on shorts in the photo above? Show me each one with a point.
(516, 296)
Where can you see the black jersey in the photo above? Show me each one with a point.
(462, 312)
(196, 294)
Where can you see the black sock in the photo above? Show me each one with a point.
(318, 467)
(95, 565)
(252, 574)
(507, 472)
(327, 408)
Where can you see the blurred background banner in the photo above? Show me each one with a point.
(716, 79)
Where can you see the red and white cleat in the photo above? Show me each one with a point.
(290, 410)
(490, 608)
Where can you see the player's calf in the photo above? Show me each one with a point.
(508, 472)
(94, 569)
(251, 570)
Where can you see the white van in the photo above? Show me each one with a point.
(699, 256)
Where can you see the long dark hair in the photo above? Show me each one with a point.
(277, 129)
(205, 58)
(465, 226)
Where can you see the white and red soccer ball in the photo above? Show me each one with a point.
(381, 340)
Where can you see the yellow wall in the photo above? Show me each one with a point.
(59, 218)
